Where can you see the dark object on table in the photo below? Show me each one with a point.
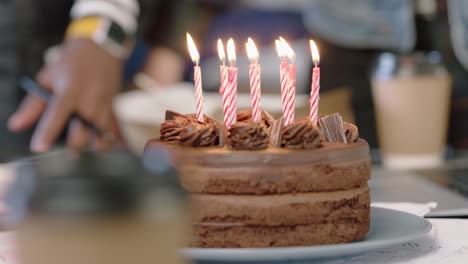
(97, 204)
(458, 178)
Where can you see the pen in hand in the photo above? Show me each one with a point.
(30, 86)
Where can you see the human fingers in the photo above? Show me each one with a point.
(27, 114)
(45, 78)
(52, 122)
(111, 136)
(78, 136)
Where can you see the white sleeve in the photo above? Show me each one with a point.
(122, 12)
(458, 18)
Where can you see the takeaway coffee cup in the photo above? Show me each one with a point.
(411, 96)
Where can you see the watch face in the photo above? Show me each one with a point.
(103, 31)
(116, 33)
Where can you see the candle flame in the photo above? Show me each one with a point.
(221, 54)
(192, 49)
(231, 51)
(280, 49)
(288, 50)
(252, 51)
(315, 53)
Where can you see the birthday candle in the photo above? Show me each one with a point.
(223, 71)
(254, 75)
(284, 78)
(315, 87)
(197, 77)
(231, 88)
(291, 84)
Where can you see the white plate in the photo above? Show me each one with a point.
(388, 227)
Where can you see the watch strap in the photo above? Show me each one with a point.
(102, 31)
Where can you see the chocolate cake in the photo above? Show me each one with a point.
(263, 184)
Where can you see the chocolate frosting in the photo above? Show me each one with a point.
(248, 136)
(187, 131)
(303, 134)
(246, 117)
(351, 132)
(199, 135)
(170, 129)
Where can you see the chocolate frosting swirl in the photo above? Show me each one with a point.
(304, 134)
(248, 136)
(189, 132)
(246, 117)
(351, 132)
(170, 129)
(199, 135)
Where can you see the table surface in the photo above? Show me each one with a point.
(398, 186)
(401, 186)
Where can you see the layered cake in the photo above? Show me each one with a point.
(263, 184)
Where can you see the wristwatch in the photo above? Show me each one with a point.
(104, 32)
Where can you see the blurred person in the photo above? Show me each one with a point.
(349, 33)
(344, 67)
(86, 75)
(354, 31)
(164, 66)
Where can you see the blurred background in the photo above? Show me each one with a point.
(351, 38)
(396, 68)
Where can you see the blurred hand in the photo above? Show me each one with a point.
(83, 80)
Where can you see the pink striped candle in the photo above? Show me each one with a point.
(222, 68)
(284, 76)
(197, 77)
(198, 92)
(223, 72)
(284, 69)
(231, 88)
(290, 98)
(255, 81)
(315, 87)
(222, 90)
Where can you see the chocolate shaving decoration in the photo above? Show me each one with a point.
(275, 133)
(351, 132)
(303, 134)
(207, 119)
(332, 128)
(248, 136)
(268, 119)
(246, 117)
(170, 115)
(223, 135)
(188, 131)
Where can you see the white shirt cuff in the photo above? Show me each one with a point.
(112, 9)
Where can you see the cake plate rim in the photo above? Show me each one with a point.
(388, 228)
